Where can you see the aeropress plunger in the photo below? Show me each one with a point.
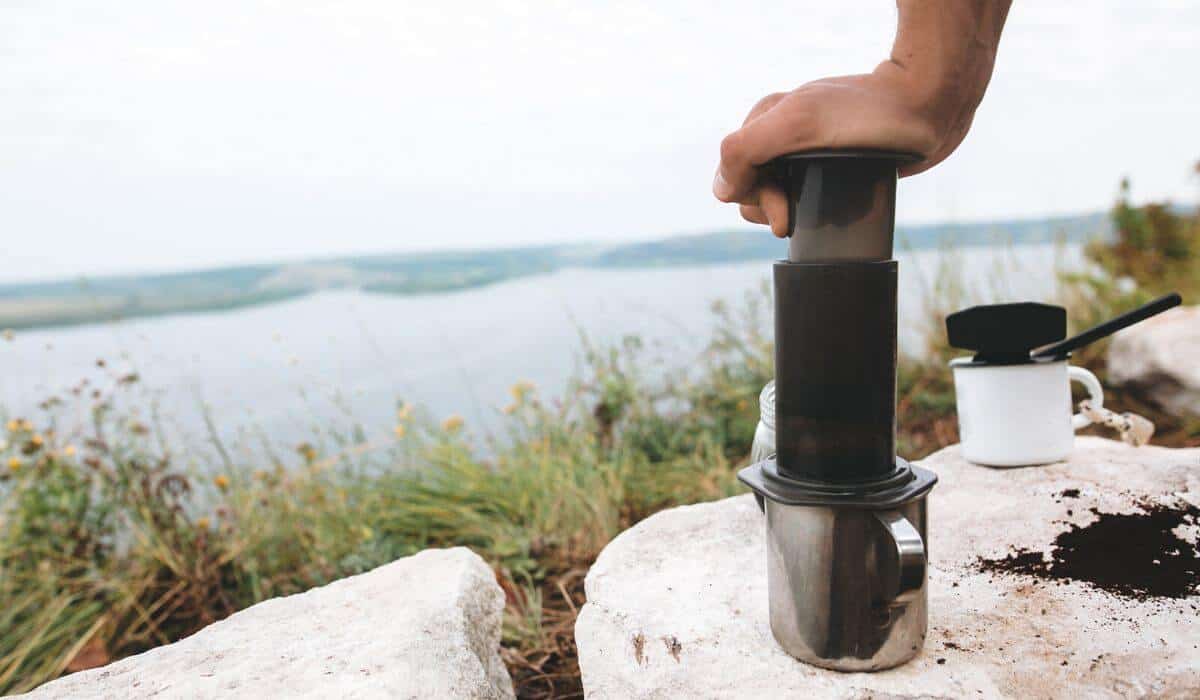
(845, 516)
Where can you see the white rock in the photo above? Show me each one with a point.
(1162, 357)
(426, 626)
(677, 605)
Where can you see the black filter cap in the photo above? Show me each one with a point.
(1006, 333)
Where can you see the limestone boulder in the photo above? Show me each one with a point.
(677, 605)
(426, 626)
(1161, 357)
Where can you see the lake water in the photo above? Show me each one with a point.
(342, 356)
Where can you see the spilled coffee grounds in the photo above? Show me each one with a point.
(1133, 555)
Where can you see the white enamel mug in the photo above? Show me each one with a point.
(1012, 415)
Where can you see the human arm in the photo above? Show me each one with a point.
(920, 100)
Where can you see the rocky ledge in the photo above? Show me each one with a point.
(426, 626)
(1076, 579)
(1161, 358)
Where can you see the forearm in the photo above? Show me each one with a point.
(944, 51)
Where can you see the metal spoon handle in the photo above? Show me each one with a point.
(1109, 327)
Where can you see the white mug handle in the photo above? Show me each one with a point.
(1094, 390)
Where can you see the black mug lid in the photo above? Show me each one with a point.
(1006, 333)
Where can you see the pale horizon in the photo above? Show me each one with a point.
(744, 227)
(165, 138)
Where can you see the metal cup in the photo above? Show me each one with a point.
(847, 586)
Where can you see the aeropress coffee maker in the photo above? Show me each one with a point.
(845, 516)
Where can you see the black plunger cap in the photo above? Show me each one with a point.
(841, 203)
(1006, 333)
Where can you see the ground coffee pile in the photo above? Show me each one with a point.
(1133, 555)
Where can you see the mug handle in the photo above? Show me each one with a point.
(1094, 390)
(910, 556)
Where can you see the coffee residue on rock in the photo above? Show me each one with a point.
(1132, 555)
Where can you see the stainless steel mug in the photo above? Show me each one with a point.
(847, 585)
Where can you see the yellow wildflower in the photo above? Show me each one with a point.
(14, 463)
(13, 425)
(221, 481)
(202, 523)
(69, 451)
(399, 430)
(520, 390)
(26, 425)
(404, 412)
(743, 404)
(37, 440)
(452, 423)
(307, 451)
(510, 409)
(367, 532)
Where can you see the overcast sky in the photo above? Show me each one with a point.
(152, 135)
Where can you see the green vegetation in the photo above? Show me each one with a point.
(1155, 249)
(110, 542)
(33, 305)
(113, 542)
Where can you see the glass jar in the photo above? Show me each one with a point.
(764, 433)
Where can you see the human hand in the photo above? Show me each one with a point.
(921, 101)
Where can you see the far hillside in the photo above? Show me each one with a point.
(101, 299)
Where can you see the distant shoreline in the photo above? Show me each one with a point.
(64, 303)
